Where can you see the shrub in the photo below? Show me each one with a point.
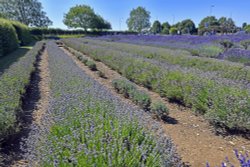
(226, 44)
(101, 74)
(124, 87)
(159, 109)
(129, 90)
(142, 99)
(23, 32)
(8, 37)
(91, 65)
(12, 87)
(245, 44)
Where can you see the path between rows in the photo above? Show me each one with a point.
(43, 102)
(194, 137)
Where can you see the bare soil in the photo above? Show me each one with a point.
(194, 137)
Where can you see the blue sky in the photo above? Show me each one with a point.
(117, 11)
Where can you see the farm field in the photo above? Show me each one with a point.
(137, 88)
(91, 103)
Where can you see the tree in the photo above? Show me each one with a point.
(83, 16)
(100, 23)
(28, 12)
(244, 25)
(165, 28)
(226, 25)
(138, 19)
(209, 24)
(187, 27)
(156, 28)
(173, 31)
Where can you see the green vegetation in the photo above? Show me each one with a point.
(27, 12)
(16, 78)
(139, 19)
(129, 90)
(87, 19)
(8, 37)
(23, 33)
(8, 60)
(222, 104)
(159, 110)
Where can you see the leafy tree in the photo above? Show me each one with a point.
(139, 19)
(156, 28)
(28, 12)
(247, 28)
(187, 27)
(166, 25)
(100, 23)
(209, 24)
(244, 25)
(165, 28)
(173, 31)
(83, 16)
(226, 25)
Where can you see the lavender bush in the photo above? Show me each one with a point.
(12, 86)
(244, 160)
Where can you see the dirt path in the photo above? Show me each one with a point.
(194, 137)
(43, 99)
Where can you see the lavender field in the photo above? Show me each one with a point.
(203, 46)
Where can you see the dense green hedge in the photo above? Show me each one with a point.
(8, 37)
(12, 87)
(23, 32)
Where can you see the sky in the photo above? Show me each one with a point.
(117, 11)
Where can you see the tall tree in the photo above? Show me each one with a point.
(83, 16)
(28, 12)
(156, 28)
(165, 27)
(139, 19)
(209, 24)
(226, 25)
(244, 25)
(187, 27)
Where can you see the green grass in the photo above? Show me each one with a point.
(8, 60)
(71, 36)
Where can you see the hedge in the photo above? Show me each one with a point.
(8, 37)
(23, 32)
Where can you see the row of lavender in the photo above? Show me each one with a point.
(223, 105)
(180, 58)
(92, 127)
(13, 83)
(205, 46)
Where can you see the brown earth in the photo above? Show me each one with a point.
(195, 139)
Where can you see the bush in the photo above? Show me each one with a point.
(91, 65)
(12, 86)
(23, 33)
(159, 109)
(124, 87)
(226, 44)
(245, 44)
(173, 31)
(142, 99)
(129, 90)
(8, 37)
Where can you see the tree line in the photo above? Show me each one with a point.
(30, 13)
(139, 21)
